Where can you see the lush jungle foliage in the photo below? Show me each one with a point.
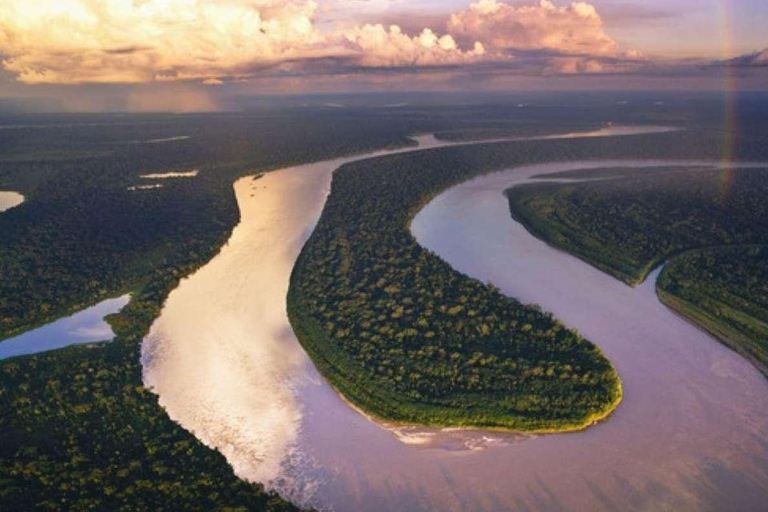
(77, 429)
(725, 290)
(636, 219)
(76, 425)
(79, 432)
(81, 236)
(629, 226)
(405, 337)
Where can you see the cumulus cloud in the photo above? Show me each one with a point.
(380, 47)
(128, 41)
(572, 29)
(221, 41)
(576, 32)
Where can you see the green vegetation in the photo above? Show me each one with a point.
(79, 432)
(712, 225)
(76, 242)
(725, 291)
(77, 429)
(81, 236)
(629, 224)
(401, 334)
(406, 338)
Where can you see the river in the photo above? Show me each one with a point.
(9, 199)
(86, 326)
(690, 434)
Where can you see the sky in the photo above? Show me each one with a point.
(156, 53)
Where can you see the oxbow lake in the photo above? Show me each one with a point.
(9, 200)
(86, 326)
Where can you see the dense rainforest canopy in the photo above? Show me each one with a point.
(637, 219)
(77, 428)
(81, 235)
(401, 334)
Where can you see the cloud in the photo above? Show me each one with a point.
(575, 31)
(751, 60)
(127, 41)
(635, 14)
(229, 41)
(380, 47)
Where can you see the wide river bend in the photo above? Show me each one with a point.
(691, 434)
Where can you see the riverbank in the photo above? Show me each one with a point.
(10, 200)
(700, 318)
(86, 326)
(390, 410)
(236, 345)
(381, 335)
(221, 355)
(719, 290)
(688, 400)
(492, 409)
(628, 224)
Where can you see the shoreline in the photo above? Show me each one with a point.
(537, 226)
(390, 425)
(306, 184)
(683, 310)
(10, 199)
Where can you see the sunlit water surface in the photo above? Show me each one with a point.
(85, 326)
(691, 432)
(222, 355)
(10, 199)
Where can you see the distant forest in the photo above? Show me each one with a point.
(716, 221)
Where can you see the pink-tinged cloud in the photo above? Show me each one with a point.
(757, 60)
(127, 41)
(576, 29)
(221, 41)
(380, 47)
(576, 32)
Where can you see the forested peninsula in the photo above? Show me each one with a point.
(407, 338)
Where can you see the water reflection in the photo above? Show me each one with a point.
(86, 326)
(227, 367)
(689, 434)
(222, 355)
(10, 199)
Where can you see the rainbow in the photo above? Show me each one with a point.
(730, 97)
